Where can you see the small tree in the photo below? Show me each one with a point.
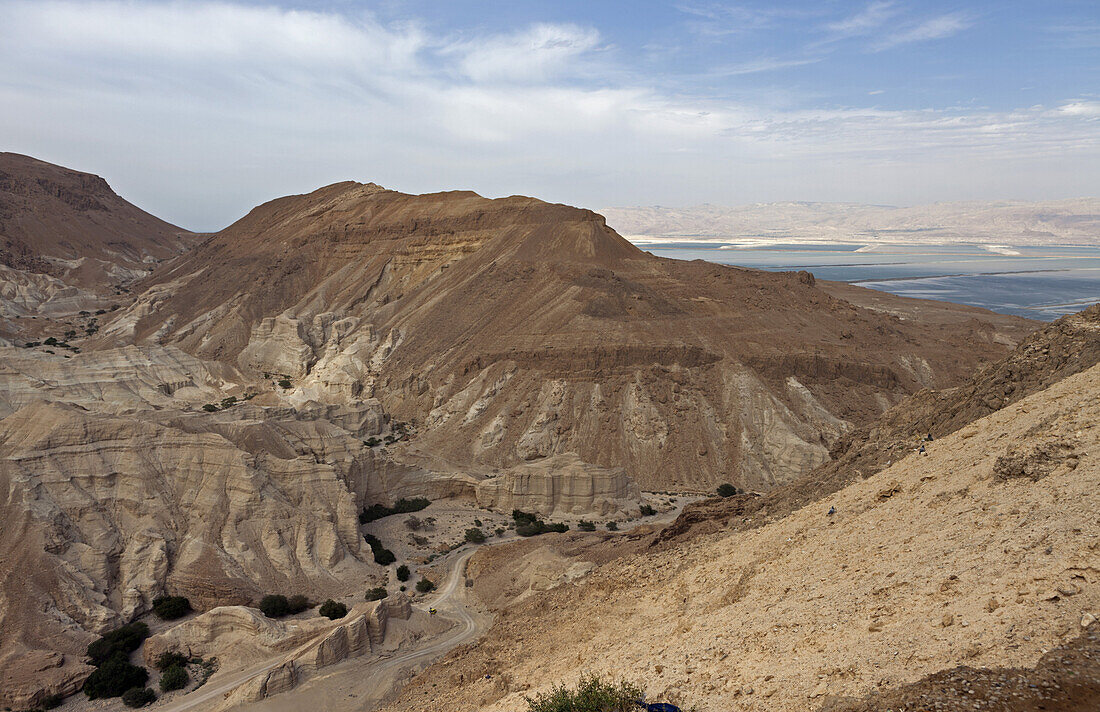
(174, 678)
(274, 605)
(138, 697)
(403, 573)
(647, 511)
(114, 677)
(384, 557)
(210, 408)
(425, 586)
(332, 610)
(726, 490)
(586, 526)
(297, 604)
(168, 659)
(285, 383)
(612, 526)
(592, 695)
(377, 593)
(118, 642)
(169, 608)
(475, 536)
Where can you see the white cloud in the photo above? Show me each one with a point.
(197, 111)
(931, 29)
(866, 20)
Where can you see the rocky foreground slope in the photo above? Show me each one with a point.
(512, 330)
(983, 552)
(68, 243)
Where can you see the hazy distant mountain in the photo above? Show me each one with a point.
(1075, 221)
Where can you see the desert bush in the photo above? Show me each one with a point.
(372, 442)
(382, 555)
(377, 593)
(500, 531)
(332, 610)
(120, 641)
(726, 490)
(210, 408)
(169, 608)
(174, 678)
(274, 605)
(285, 383)
(539, 527)
(613, 526)
(138, 697)
(413, 523)
(296, 604)
(401, 506)
(169, 658)
(586, 526)
(475, 536)
(521, 517)
(647, 511)
(51, 702)
(114, 677)
(403, 573)
(425, 586)
(592, 694)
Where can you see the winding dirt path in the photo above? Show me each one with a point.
(382, 672)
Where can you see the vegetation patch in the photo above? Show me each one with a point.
(382, 555)
(401, 506)
(475, 536)
(138, 697)
(119, 642)
(332, 610)
(403, 573)
(169, 659)
(425, 586)
(377, 593)
(114, 677)
(727, 490)
(169, 608)
(647, 511)
(592, 694)
(175, 677)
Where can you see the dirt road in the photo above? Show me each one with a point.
(360, 682)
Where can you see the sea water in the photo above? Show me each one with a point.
(1039, 282)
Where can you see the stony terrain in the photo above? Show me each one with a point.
(945, 559)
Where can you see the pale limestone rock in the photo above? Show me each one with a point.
(562, 485)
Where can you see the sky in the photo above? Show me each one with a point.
(198, 111)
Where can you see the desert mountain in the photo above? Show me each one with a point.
(982, 553)
(1056, 222)
(69, 243)
(511, 330)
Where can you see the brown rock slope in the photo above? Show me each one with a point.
(955, 558)
(69, 243)
(512, 330)
(1065, 347)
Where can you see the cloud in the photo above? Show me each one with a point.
(198, 111)
(865, 21)
(931, 29)
(537, 53)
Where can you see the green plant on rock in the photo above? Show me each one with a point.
(377, 593)
(332, 610)
(727, 490)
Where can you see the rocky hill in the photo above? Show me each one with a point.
(1068, 346)
(512, 330)
(981, 553)
(68, 243)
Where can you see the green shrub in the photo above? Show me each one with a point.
(210, 408)
(500, 531)
(425, 586)
(229, 402)
(274, 605)
(168, 659)
(377, 593)
(612, 526)
(539, 527)
(647, 511)
(52, 702)
(285, 383)
(120, 641)
(138, 697)
(586, 526)
(296, 604)
(403, 573)
(475, 536)
(372, 442)
(382, 555)
(521, 517)
(591, 695)
(114, 677)
(169, 608)
(401, 506)
(332, 610)
(174, 678)
(726, 490)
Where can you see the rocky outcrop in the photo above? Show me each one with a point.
(563, 485)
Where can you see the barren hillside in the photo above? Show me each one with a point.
(983, 552)
(511, 330)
